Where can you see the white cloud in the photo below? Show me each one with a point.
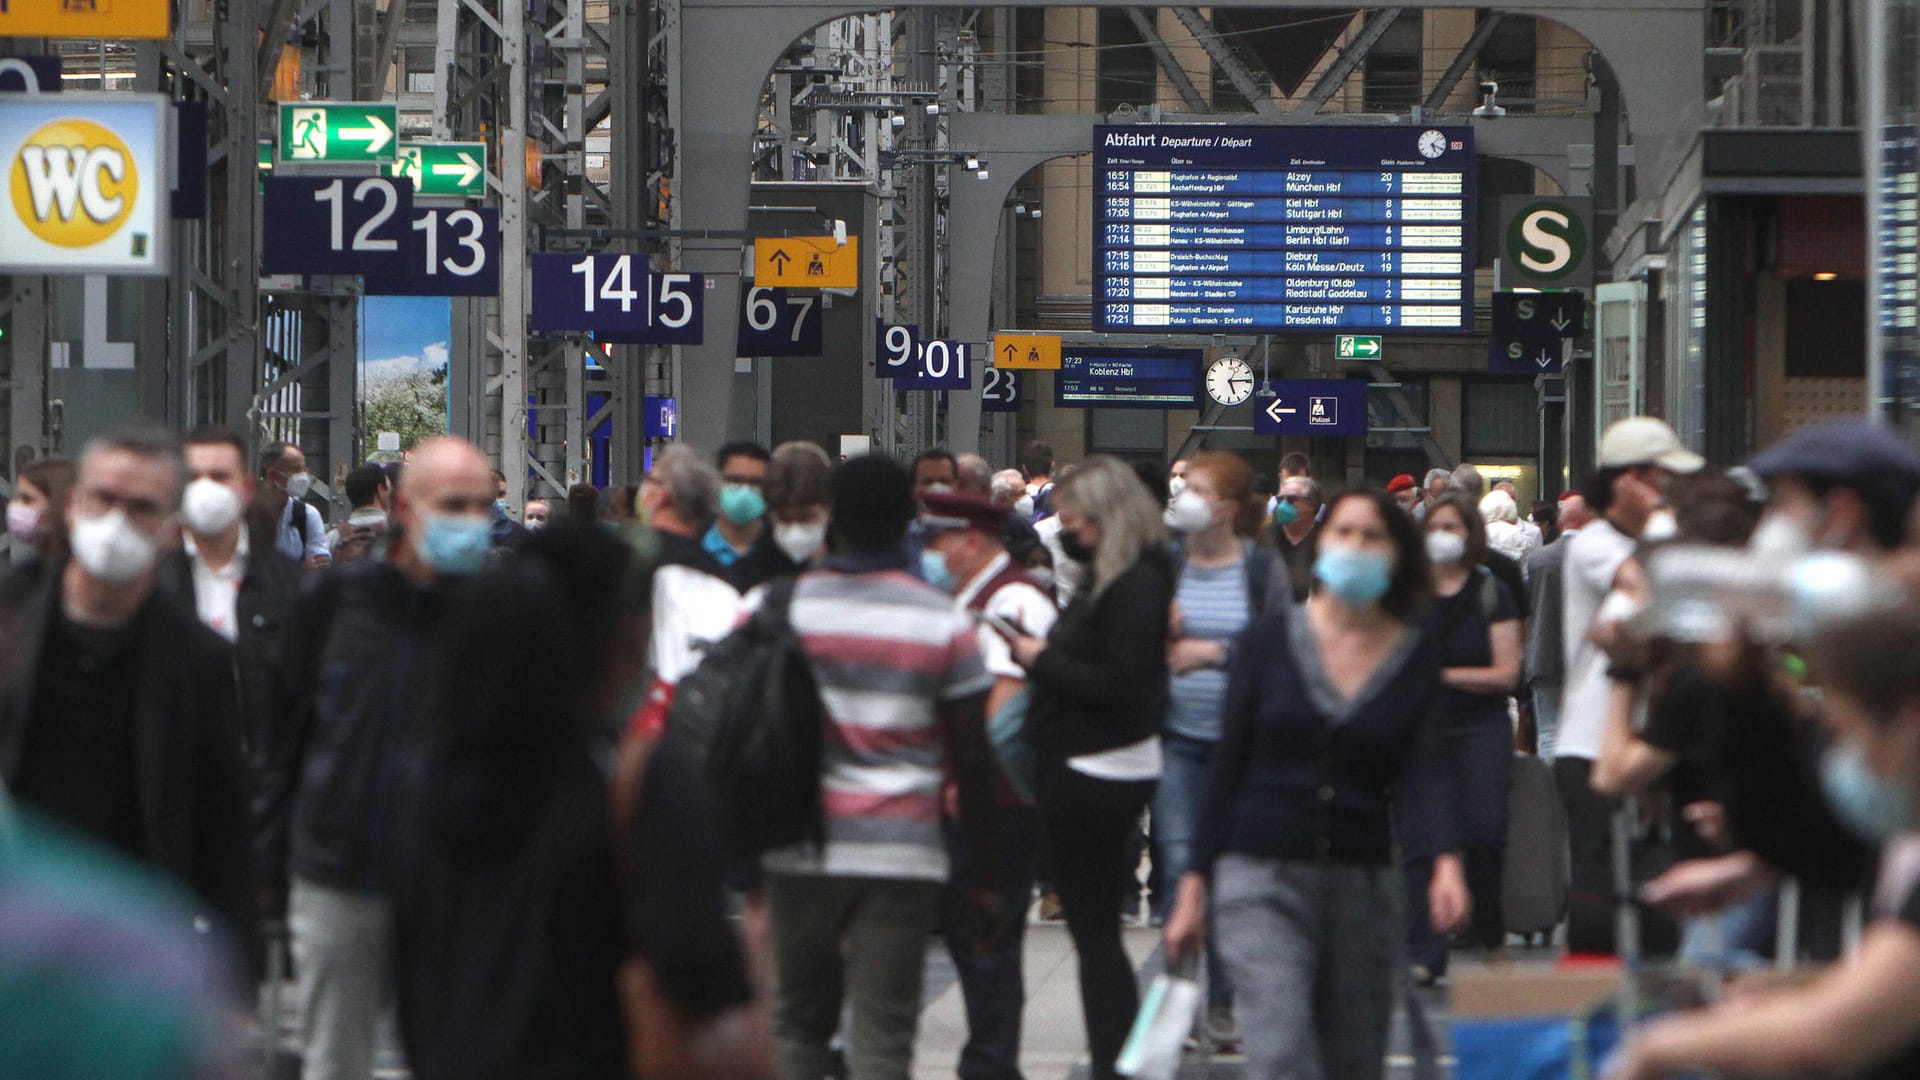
(432, 356)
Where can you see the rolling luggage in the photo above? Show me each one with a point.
(1533, 890)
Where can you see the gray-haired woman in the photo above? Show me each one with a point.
(1099, 694)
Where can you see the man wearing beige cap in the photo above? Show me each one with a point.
(1638, 457)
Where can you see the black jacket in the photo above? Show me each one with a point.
(192, 779)
(268, 591)
(342, 747)
(1102, 682)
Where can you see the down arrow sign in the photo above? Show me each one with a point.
(1560, 321)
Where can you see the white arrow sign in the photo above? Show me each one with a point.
(1275, 412)
(376, 135)
(1560, 321)
(468, 170)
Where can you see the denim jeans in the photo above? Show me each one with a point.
(1177, 803)
(1546, 717)
(992, 984)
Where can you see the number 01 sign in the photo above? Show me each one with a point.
(617, 298)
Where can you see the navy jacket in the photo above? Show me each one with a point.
(1295, 779)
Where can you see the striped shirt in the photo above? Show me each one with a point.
(886, 649)
(1213, 607)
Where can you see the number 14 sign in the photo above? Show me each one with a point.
(616, 298)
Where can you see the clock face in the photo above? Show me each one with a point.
(1230, 380)
(1432, 144)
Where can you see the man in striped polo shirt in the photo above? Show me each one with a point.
(903, 690)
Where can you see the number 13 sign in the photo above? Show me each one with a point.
(616, 298)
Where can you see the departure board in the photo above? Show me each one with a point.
(1283, 229)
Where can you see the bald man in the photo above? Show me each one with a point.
(358, 655)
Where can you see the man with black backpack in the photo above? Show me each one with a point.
(966, 554)
(902, 690)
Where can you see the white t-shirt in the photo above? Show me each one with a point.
(1018, 603)
(1594, 554)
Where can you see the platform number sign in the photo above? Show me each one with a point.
(337, 225)
(779, 322)
(914, 364)
(1000, 392)
(617, 298)
(455, 253)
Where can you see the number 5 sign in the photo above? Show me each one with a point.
(616, 298)
(337, 225)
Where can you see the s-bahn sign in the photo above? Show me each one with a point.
(87, 177)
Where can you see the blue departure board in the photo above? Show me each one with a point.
(1283, 229)
(1112, 377)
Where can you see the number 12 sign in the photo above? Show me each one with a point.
(337, 225)
(616, 298)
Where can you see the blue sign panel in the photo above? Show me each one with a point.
(455, 253)
(1120, 378)
(780, 322)
(663, 418)
(1539, 314)
(1001, 392)
(617, 298)
(337, 225)
(938, 365)
(30, 75)
(1313, 407)
(1283, 229)
(1525, 355)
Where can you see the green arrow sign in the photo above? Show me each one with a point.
(1356, 347)
(457, 169)
(337, 131)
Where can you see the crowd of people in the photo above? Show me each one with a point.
(454, 763)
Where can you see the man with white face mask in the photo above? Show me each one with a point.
(298, 532)
(244, 596)
(120, 719)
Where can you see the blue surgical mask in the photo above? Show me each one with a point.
(742, 504)
(1872, 806)
(455, 546)
(1355, 576)
(1285, 513)
(933, 569)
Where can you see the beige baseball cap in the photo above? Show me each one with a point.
(1646, 440)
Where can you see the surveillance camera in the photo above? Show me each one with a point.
(897, 121)
(1488, 89)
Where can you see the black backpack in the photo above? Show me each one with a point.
(751, 715)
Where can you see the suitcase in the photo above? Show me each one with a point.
(1533, 890)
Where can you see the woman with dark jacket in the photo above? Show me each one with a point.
(1332, 718)
(1099, 685)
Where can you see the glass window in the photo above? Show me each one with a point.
(1499, 418)
(1382, 414)
(1127, 73)
(1392, 76)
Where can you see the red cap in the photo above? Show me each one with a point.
(1400, 483)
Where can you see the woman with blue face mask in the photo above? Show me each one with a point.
(1861, 1018)
(1333, 717)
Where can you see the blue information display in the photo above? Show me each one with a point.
(617, 298)
(1099, 377)
(1283, 229)
(1313, 407)
(337, 225)
(455, 253)
(663, 418)
(780, 322)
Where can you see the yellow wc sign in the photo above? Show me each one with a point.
(87, 182)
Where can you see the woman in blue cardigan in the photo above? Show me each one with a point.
(1333, 718)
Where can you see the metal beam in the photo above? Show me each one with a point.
(1469, 53)
(1257, 91)
(1176, 72)
(1332, 79)
(273, 38)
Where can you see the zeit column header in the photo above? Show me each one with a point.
(1283, 229)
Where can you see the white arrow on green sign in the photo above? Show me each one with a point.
(457, 169)
(1356, 346)
(337, 131)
